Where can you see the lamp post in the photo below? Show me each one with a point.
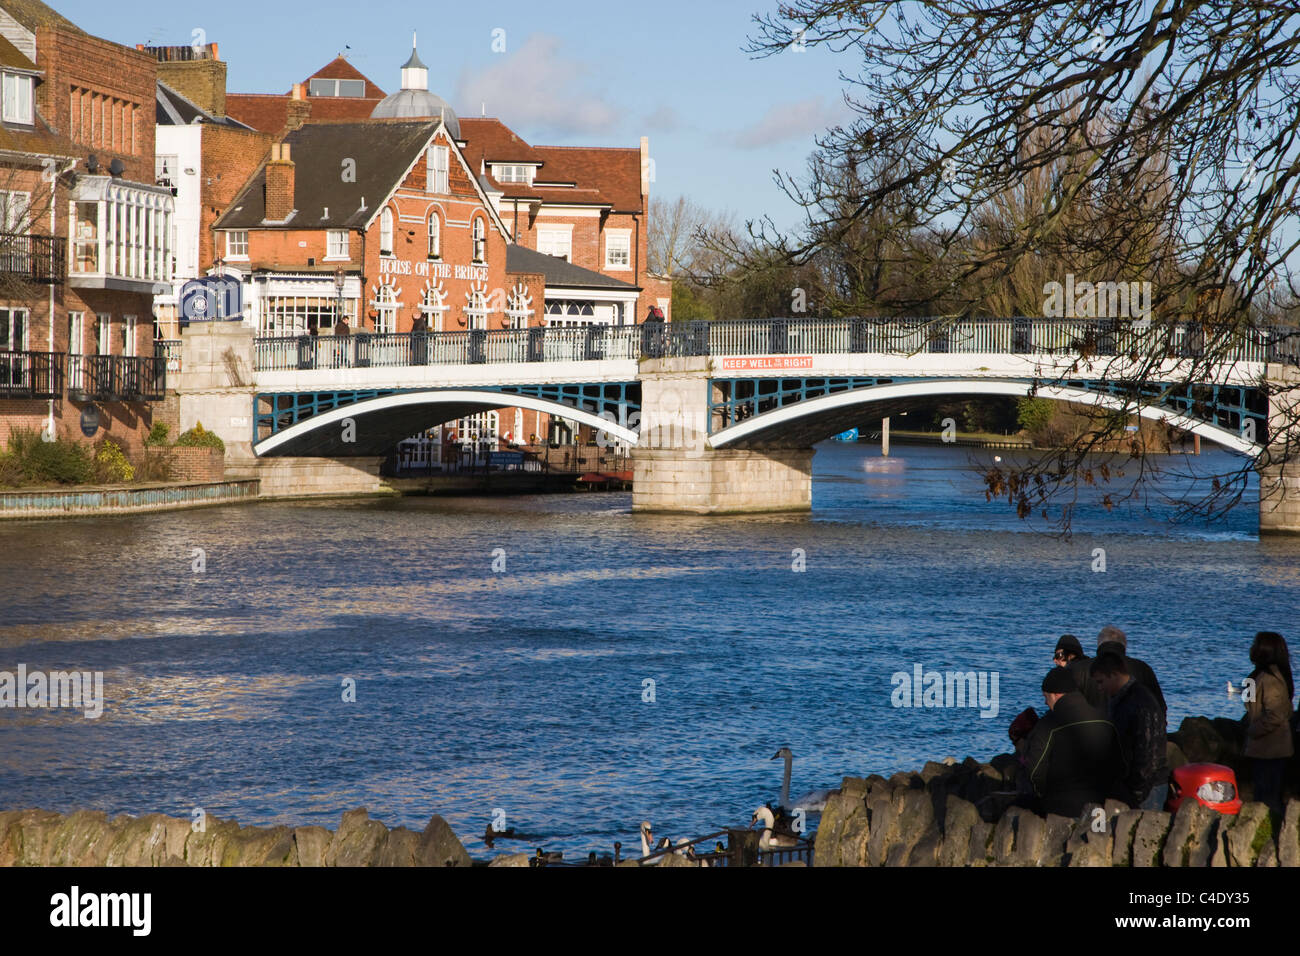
(339, 279)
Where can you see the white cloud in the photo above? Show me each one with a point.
(663, 120)
(537, 86)
(802, 119)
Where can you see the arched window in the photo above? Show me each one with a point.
(386, 232)
(386, 306)
(480, 241)
(435, 236)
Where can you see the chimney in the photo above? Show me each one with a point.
(197, 73)
(645, 165)
(299, 108)
(279, 184)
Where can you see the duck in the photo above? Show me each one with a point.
(770, 839)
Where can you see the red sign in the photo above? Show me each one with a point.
(760, 363)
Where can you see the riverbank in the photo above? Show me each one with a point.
(81, 501)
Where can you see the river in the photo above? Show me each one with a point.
(525, 690)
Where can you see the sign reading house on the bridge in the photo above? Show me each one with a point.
(436, 270)
(765, 363)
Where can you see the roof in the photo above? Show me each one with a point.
(32, 14)
(382, 150)
(599, 176)
(559, 272)
(269, 112)
(11, 56)
(39, 140)
(417, 104)
(174, 109)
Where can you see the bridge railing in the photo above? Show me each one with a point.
(780, 336)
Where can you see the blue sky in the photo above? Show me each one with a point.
(573, 73)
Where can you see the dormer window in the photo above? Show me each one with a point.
(513, 174)
(17, 95)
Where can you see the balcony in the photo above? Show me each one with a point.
(31, 375)
(41, 259)
(116, 378)
(121, 235)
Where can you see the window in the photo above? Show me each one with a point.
(14, 207)
(128, 335)
(331, 87)
(478, 428)
(17, 98)
(556, 242)
(519, 306)
(618, 249)
(435, 236)
(513, 174)
(298, 314)
(386, 321)
(480, 241)
(164, 171)
(124, 230)
(76, 332)
(438, 163)
(13, 330)
(237, 244)
(476, 310)
(103, 327)
(433, 304)
(85, 243)
(336, 246)
(564, 313)
(386, 232)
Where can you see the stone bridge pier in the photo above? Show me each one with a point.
(674, 468)
(216, 389)
(1279, 465)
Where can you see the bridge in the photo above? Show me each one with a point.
(722, 415)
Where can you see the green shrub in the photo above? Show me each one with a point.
(30, 460)
(112, 465)
(200, 437)
(157, 434)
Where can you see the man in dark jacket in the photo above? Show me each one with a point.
(1074, 756)
(1140, 723)
(1069, 654)
(1113, 640)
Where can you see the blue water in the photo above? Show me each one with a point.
(523, 691)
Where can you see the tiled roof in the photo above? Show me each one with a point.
(174, 109)
(340, 69)
(270, 112)
(600, 176)
(559, 272)
(382, 149)
(39, 139)
(10, 55)
(32, 14)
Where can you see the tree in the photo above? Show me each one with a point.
(1122, 142)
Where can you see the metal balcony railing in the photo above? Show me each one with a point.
(34, 258)
(780, 336)
(117, 378)
(31, 375)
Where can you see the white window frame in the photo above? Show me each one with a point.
(478, 230)
(17, 94)
(386, 232)
(385, 311)
(234, 244)
(129, 323)
(624, 237)
(547, 237)
(76, 332)
(476, 310)
(19, 342)
(336, 244)
(437, 166)
(434, 250)
(103, 333)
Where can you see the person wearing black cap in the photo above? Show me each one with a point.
(1140, 723)
(1069, 654)
(1115, 641)
(1074, 756)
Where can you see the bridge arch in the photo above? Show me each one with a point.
(768, 428)
(383, 421)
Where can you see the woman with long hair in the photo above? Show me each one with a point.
(1268, 717)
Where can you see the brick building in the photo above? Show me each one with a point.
(86, 231)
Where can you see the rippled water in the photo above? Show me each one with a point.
(523, 690)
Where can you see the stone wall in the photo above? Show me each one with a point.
(90, 838)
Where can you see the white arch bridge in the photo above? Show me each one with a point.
(712, 405)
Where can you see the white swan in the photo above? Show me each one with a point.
(814, 801)
(769, 839)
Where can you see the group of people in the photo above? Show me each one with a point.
(1104, 734)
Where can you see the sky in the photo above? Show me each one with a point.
(572, 72)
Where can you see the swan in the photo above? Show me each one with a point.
(1232, 690)
(814, 801)
(646, 836)
(769, 839)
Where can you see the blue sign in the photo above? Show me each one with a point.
(506, 458)
(850, 435)
(89, 421)
(212, 299)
